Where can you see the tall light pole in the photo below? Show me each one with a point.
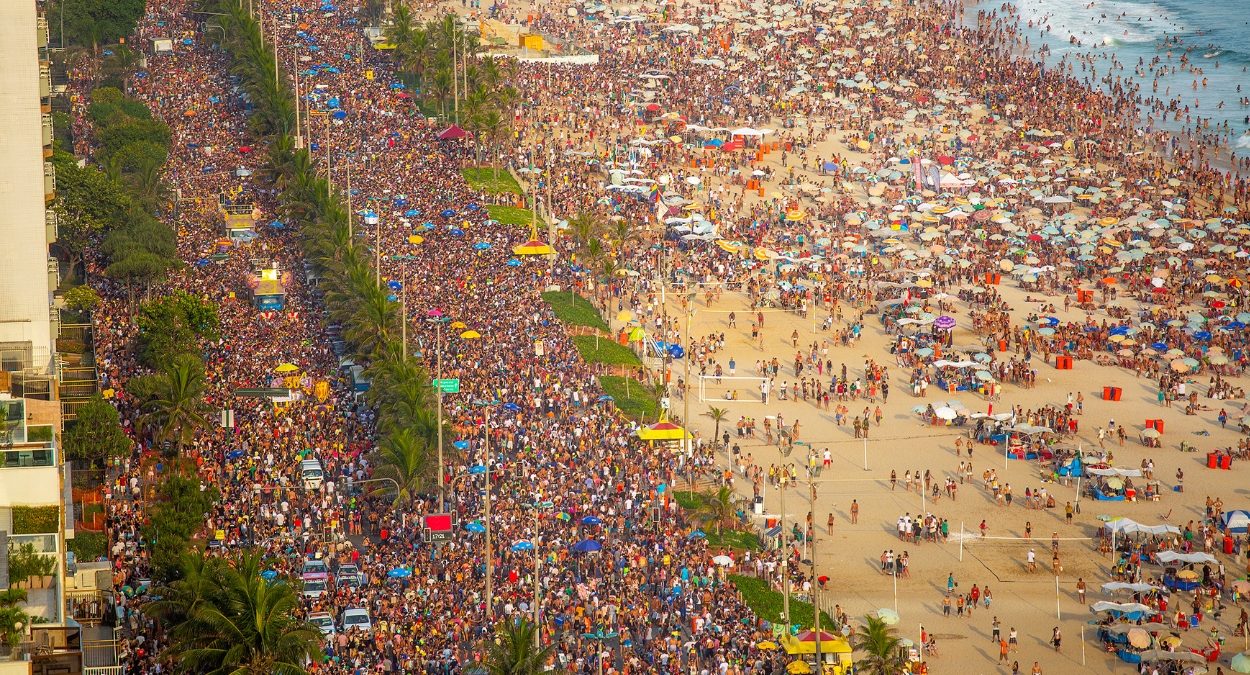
(438, 322)
(785, 554)
(489, 572)
(538, 507)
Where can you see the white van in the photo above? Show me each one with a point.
(311, 473)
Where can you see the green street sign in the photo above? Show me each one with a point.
(448, 386)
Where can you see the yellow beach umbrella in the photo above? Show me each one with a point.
(470, 335)
(458, 325)
(286, 368)
(625, 315)
(415, 239)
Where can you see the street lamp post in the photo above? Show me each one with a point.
(538, 507)
(438, 322)
(599, 636)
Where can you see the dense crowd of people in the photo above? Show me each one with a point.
(530, 412)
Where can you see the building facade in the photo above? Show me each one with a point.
(28, 274)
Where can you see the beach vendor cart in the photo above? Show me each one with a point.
(835, 651)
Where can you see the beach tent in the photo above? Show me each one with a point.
(453, 132)
(1237, 521)
(1168, 557)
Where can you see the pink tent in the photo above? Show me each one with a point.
(453, 132)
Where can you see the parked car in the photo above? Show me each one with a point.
(350, 575)
(324, 621)
(314, 569)
(356, 617)
(315, 588)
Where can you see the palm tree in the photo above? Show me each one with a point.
(585, 226)
(13, 620)
(185, 597)
(514, 653)
(248, 629)
(375, 322)
(717, 415)
(403, 458)
(440, 89)
(718, 505)
(622, 234)
(178, 409)
(399, 32)
(881, 647)
(494, 125)
(123, 61)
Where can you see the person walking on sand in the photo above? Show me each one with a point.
(1056, 638)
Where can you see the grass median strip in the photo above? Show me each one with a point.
(483, 179)
(604, 350)
(638, 403)
(768, 605)
(574, 310)
(510, 215)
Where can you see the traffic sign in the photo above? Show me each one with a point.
(448, 386)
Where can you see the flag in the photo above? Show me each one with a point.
(655, 192)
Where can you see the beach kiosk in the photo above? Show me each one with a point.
(835, 651)
(267, 286)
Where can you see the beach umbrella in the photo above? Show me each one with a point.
(888, 616)
(697, 534)
(1240, 663)
(587, 546)
(591, 520)
(523, 545)
(481, 246)
(944, 322)
(723, 560)
(475, 527)
(401, 572)
(1139, 638)
(447, 213)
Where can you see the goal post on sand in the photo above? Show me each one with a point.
(724, 388)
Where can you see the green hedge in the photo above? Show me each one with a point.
(87, 546)
(36, 519)
(767, 603)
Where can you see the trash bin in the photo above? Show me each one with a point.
(1212, 460)
(1158, 425)
(1226, 462)
(1150, 424)
(1228, 545)
(1106, 393)
(1116, 393)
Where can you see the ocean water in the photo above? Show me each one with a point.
(1214, 35)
